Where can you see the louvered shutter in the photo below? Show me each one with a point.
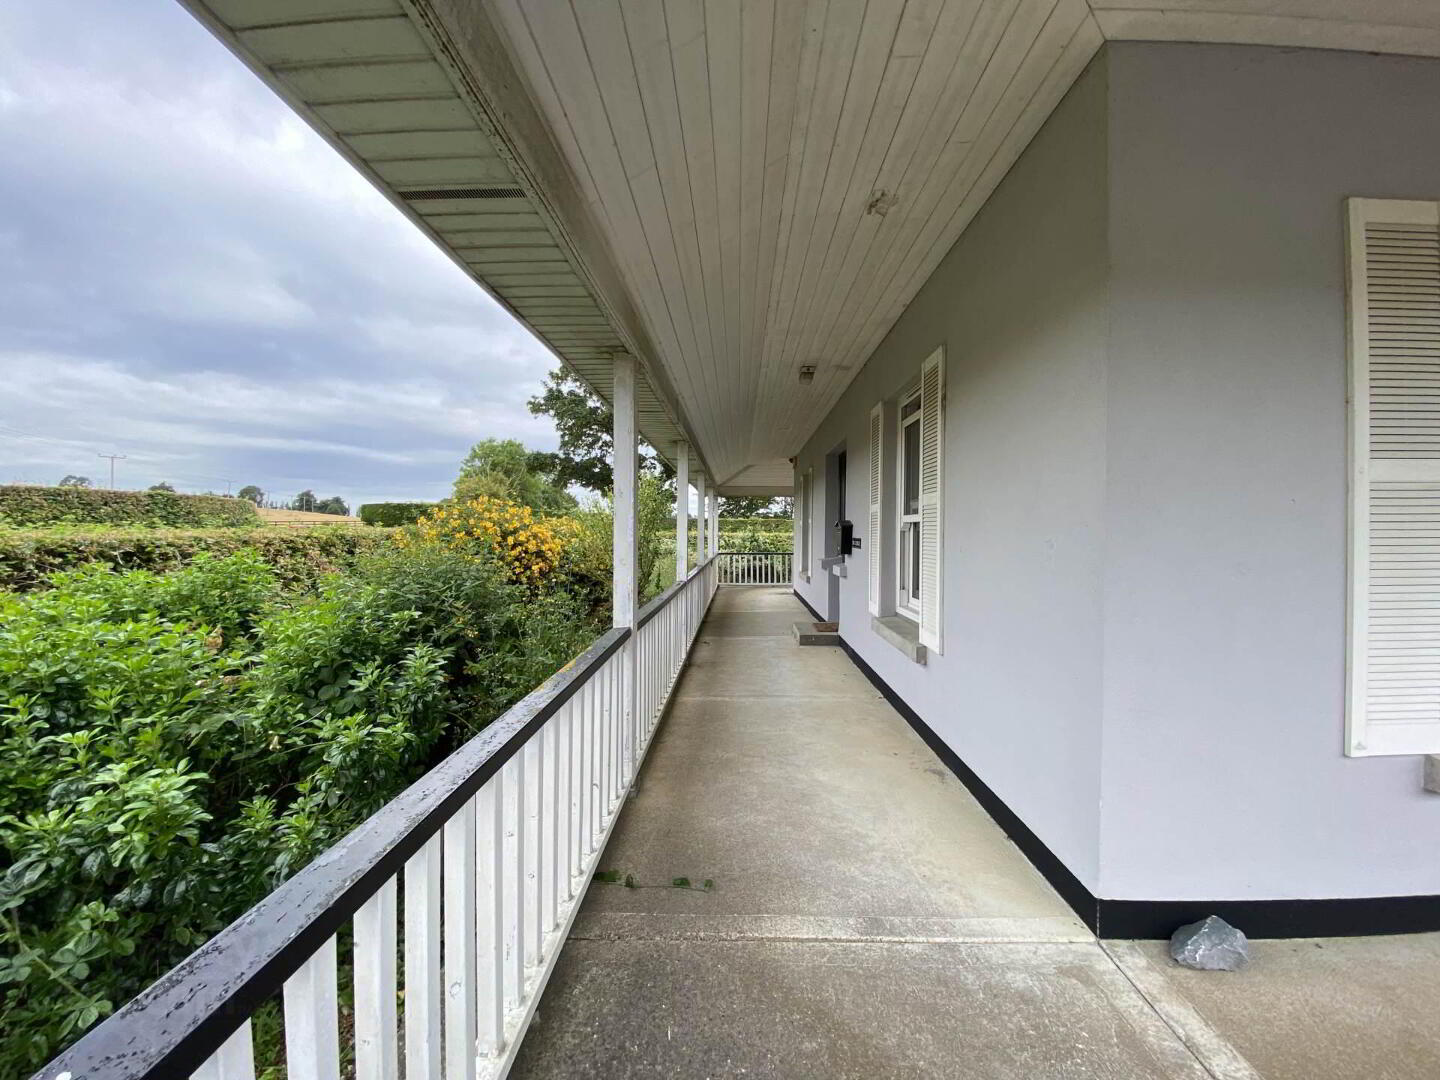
(1394, 663)
(873, 525)
(932, 462)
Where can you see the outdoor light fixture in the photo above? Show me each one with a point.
(807, 373)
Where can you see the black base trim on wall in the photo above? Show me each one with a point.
(1342, 917)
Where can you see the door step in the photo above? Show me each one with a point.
(816, 633)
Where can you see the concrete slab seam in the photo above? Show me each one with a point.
(1220, 1059)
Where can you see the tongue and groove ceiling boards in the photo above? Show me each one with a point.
(779, 177)
(731, 189)
(372, 78)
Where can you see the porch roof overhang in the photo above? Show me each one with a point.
(730, 192)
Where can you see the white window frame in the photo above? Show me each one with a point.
(807, 484)
(907, 526)
(1391, 674)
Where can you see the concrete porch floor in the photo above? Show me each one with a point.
(869, 919)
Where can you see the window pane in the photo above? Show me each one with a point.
(912, 469)
(915, 562)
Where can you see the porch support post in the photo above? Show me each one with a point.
(714, 522)
(682, 510)
(623, 586)
(701, 549)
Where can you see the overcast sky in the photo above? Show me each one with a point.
(190, 277)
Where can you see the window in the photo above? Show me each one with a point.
(917, 491)
(907, 582)
(1393, 666)
(803, 541)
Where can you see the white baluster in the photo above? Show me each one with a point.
(565, 806)
(549, 879)
(312, 1029)
(489, 919)
(576, 789)
(583, 762)
(514, 881)
(607, 713)
(235, 1060)
(534, 755)
(422, 961)
(377, 1025)
(460, 968)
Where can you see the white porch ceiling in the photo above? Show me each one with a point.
(729, 188)
(779, 178)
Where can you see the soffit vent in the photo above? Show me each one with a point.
(463, 193)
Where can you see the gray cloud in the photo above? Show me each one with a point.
(191, 277)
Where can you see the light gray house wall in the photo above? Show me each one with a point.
(1145, 488)
(1227, 473)
(1020, 305)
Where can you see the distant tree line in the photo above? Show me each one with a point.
(305, 501)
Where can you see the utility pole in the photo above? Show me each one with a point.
(113, 458)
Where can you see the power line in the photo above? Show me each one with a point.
(9, 432)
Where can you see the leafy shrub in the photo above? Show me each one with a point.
(528, 546)
(755, 524)
(298, 557)
(503, 637)
(26, 505)
(654, 510)
(749, 539)
(229, 593)
(394, 514)
(172, 746)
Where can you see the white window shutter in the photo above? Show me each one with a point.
(932, 467)
(1393, 670)
(875, 521)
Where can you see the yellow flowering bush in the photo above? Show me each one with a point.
(531, 548)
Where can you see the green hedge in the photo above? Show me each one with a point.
(26, 505)
(753, 524)
(398, 513)
(299, 556)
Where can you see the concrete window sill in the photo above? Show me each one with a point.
(900, 632)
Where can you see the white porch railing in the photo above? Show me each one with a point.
(754, 567)
(479, 868)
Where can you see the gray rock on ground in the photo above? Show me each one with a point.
(1211, 944)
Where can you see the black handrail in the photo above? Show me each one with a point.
(173, 1026)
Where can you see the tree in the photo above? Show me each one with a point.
(251, 493)
(71, 480)
(754, 507)
(304, 501)
(503, 468)
(332, 505)
(586, 441)
(162, 486)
